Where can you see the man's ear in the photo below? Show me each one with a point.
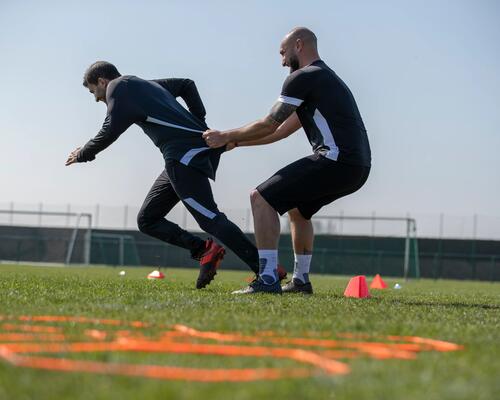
(102, 81)
(299, 44)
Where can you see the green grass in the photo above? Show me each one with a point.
(466, 313)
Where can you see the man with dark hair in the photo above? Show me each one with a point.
(313, 97)
(189, 162)
(100, 69)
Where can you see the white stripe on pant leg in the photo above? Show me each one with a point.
(198, 207)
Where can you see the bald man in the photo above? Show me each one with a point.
(315, 98)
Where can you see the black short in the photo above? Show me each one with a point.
(311, 183)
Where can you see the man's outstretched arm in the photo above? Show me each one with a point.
(120, 115)
(291, 125)
(187, 90)
(255, 131)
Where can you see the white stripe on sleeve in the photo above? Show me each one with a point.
(290, 100)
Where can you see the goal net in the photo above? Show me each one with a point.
(45, 236)
(368, 245)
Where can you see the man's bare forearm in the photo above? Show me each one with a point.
(284, 130)
(265, 140)
(254, 131)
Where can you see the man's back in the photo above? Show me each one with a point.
(329, 114)
(172, 128)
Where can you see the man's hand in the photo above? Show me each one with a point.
(72, 157)
(215, 138)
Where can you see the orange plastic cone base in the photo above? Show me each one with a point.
(156, 275)
(357, 287)
(378, 283)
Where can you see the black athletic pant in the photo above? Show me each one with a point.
(180, 182)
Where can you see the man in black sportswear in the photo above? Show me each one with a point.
(189, 162)
(314, 97)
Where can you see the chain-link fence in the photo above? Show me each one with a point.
(441, 225)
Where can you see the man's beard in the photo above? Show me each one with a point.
(294, 63)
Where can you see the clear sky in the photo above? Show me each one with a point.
(425, 74)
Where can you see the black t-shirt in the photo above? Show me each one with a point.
(176, 131)
(328, 113)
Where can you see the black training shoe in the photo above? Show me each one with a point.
(296, 286)
(281, 274)
(258, 286)
(209, 262)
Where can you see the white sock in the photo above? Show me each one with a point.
(268, 263)
(301, 267)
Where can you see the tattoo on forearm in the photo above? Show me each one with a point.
(281, 111)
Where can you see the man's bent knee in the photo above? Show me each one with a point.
(143, 223)
(295, 215)
(256, 199)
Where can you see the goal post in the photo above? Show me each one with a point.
(18, 219)
(376, 229)
(115, 249)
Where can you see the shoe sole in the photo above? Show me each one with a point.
(246, 291)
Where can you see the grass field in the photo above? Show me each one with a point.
(465, 313)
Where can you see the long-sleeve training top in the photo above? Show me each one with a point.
(152, 105)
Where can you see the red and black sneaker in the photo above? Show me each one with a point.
(209, 262)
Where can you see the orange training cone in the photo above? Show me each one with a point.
(156, 275)
(378, 283)
(357, 287)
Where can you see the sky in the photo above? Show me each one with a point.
(425, 75)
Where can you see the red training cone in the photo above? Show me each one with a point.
(156, 275)
(357, 287)
(378, 283)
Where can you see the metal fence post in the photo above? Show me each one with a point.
(121, 256)
(341, 222)
(407, 250)
(11, 216)
(96, 218)
(440, 240)
(87, 244)
(473, 250)
(68, 210)
(125, 217)
(40, 210)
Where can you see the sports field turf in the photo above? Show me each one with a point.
(463, 313)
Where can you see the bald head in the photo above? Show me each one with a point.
(305, 35)
(299, 48)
